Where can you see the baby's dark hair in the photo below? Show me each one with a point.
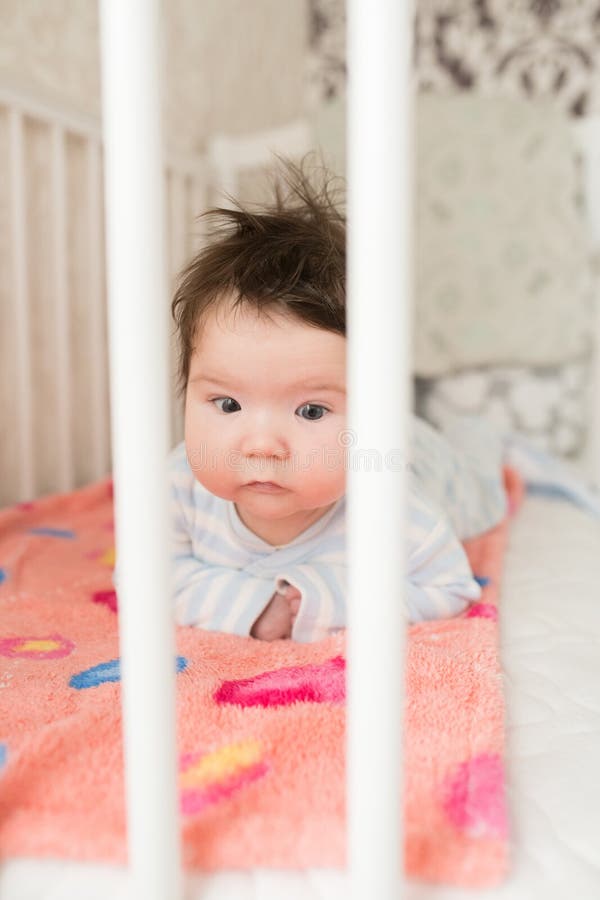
(286, 256)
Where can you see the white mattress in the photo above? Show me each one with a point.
(550, 632)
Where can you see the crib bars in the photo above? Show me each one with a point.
(378, 293)
(138, 316)
(54, 368)
(379, 203)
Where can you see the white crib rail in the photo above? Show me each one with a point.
(137, 281)
(96, 322)
(230, 156)
(71, 463)
(23, 111)
(379, 302)
(60, 300)
(20, 307)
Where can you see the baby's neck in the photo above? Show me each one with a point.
(279, 532)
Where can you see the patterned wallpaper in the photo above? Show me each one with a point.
(536, 48)
(327, 50)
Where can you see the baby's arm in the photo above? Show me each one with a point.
(440, 580)
(216, 598)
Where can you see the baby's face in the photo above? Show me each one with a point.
(266, 402)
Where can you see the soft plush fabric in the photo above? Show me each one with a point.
(261, 726)
(503, 271)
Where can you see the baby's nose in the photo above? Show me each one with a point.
(265, 442)
(266, 447)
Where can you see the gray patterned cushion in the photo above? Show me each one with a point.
(548, 405)
(503, 270)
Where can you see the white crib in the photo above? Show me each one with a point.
(147, 198)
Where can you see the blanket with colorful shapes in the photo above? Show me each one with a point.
(260, 726)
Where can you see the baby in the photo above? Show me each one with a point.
(258, 485)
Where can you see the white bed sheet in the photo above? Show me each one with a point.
(550, 633)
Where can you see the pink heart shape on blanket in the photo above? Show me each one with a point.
(473, 797)
(108, 598)
(320, 683)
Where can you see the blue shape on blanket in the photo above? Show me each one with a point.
(53, 532)
(482, 580)
(108, 671)
(3, 755)
(2, 575)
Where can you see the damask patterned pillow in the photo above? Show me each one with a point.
(548, 405)
(503, 271)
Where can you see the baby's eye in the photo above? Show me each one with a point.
(226, 400)
(314, 411)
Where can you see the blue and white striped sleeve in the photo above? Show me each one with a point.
(440, 580)
(213, 597)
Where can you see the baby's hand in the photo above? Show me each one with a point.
(276, 621)
(293, 596)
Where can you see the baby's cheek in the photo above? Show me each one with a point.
(324, 453)
(213, 465)
(323, 484)
(195, 436)
(218, 477)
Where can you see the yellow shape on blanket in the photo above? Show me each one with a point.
(33, 646)
(221, 764)
(109, 557)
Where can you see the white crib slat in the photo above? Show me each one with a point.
(222, 155)
(178, 230)
(48, 113)
(97, 350)
(230, 154)
(177, 219)
(378, 320)
(197, 204)
(65, 474)
(21, 306)
(137, 290)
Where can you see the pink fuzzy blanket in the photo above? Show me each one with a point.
(261, 726)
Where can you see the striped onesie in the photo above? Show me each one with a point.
(225, 575)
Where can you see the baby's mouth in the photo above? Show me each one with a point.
(264, 486)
